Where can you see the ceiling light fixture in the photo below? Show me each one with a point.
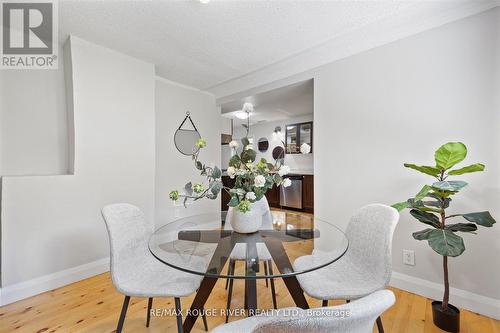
(204, 1)
(241, 114)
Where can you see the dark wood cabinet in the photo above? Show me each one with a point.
(227, 181)
(273, 196)
(308, 193)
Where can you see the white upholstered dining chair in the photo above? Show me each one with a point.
(356, 317)
(134, 270)
(367, 265)
(239, 251)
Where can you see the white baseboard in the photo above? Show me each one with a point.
(22, 290)
(463, 299)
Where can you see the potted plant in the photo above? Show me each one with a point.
(429, 207)
(252, 180)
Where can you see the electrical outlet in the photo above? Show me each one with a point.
(409, 257)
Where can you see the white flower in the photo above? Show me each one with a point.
(247, 107)
(231, 171)
(305, 148)
(284, 170)
(233, 144)
(260, 181)
(250, 196)
(286, 182)
(249, 146)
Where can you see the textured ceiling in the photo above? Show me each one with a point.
(204, 45)
(277, 104)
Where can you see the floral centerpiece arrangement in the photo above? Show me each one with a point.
(252, 179)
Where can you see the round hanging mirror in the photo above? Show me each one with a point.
(278, 153)
(263, 145)
(185, 138)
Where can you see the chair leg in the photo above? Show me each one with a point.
(204, 317)
(273, 290)
(122, 314)
(324, 302)
(228, 272)
(178, 314)
(265, 272)
(148, 316)
(229, 295)
(380, 327)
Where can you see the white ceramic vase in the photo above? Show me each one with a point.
(246, 223)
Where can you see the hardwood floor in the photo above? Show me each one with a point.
(93, 306)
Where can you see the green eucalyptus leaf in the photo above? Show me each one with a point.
(428, 170)
(449, 186)
(446, 243)
(422, 234)
(426, 218)
(188, 188)
(235, 161)
(216, 173)
(248, 155)
(463, 227)
(234, 201)
(400, 205)
(245, 142)
(450, 154)
(468, 169)
(482, 218)
(216, 187)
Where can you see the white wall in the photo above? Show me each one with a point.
(296, 162)
(34, 135)
(174, 170)
(52, 224)
(397, 103)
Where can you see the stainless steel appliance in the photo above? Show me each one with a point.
(291, 196)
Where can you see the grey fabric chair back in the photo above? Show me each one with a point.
(356, 317)
(370, 233)
(129, 234)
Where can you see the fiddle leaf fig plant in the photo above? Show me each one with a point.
(429, 206)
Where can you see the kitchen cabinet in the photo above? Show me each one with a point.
(308, 193)
(273, 196)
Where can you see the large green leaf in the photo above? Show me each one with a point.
(400, 205)
(446, 243)
(423, 192)
(428, 170)
(450, 154)
(248, 155)
(482, 218)
(216, 187)
(468, 169)
(426, 218)
(412, 203)
(463, 227)
(234, 161)
(449, 186)
(422, 234)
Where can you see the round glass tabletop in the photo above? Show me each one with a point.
(204, 244)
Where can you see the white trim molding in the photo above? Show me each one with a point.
(22, 290)
(461, 298)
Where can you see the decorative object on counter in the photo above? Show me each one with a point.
(185, 139)
(252, 180)
(263, 145)
(297, 135)
(442, 237)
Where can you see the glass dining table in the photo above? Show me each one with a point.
(202, 245)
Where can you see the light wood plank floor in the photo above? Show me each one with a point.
(92, 305)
